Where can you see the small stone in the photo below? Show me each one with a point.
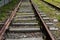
(53, 28)
(25, 36)
(55, 20)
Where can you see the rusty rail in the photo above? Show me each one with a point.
(6, 24)
(50, 37)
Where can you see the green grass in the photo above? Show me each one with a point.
(9, 6)
(6, 8)
(54, 2)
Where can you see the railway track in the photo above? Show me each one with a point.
(25, 24)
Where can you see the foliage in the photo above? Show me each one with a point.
(54, 2)
(6, 8)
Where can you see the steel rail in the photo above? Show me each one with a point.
(6, 24)
(45, 26)
(54, 6)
